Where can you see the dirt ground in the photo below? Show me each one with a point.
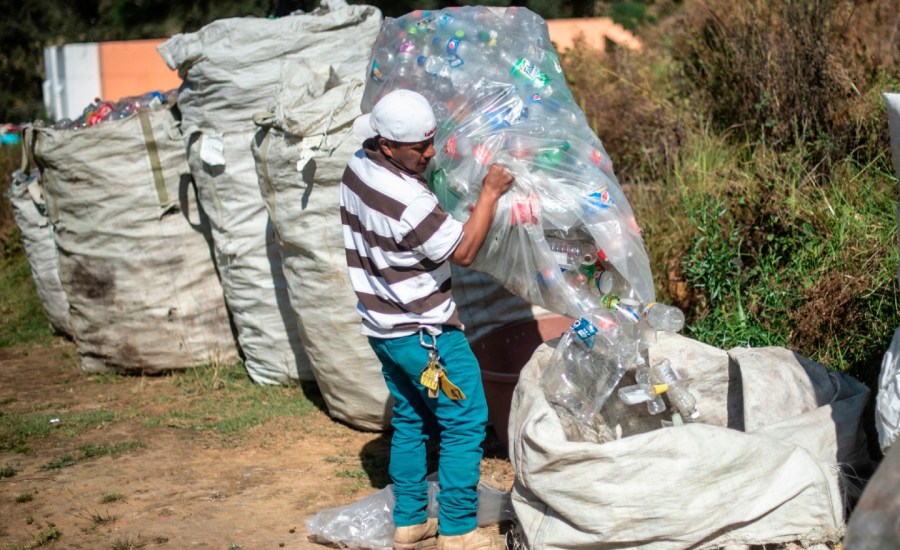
(180, 489)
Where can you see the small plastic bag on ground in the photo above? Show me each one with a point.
(368, 522)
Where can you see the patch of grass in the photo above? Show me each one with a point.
(7, 471)
(128, 543)
(352, 474)
(65, 461)
(7, 400)
(112, 497)
(47, 536)
(110, 449)
(94, 451)
(222, 400)
(22, 317)
(97, 519)
(18, 429)
(24, 497)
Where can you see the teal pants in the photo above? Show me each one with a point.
(460, 424)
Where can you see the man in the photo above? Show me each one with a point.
(399, 243)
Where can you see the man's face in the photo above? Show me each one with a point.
(412, 156)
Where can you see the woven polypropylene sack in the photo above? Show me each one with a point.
(29, 211)
(762, 467)
(247, 257)
(231, 70)
(298, 177)
(232, 67)
(134, 254)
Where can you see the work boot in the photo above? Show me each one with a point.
(473, 540)
(417, 537)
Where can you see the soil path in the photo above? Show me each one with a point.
(180, 488)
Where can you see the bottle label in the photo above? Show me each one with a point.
(377, 75)
(453, 46)
(600, 197)
(584, 329)
(524, 68)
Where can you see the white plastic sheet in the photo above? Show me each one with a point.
(368, 522)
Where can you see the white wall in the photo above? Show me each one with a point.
(72, 74)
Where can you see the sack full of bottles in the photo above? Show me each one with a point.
(564, 237)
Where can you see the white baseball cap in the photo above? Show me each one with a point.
(403, 116)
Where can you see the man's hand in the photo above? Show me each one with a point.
(497, 181)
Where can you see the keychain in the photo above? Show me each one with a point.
(433, 375)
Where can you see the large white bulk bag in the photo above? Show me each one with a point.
(231, 69)
(763, 467)
(27, 200)
(300, 158)
(134, 253)
(247, 257)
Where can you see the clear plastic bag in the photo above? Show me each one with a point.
(498, 91)
(564, 237)
(368, 522)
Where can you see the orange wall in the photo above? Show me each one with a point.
(134, 68)
(596, 30)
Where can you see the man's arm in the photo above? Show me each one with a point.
(497, 182)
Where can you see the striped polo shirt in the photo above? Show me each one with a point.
(398, 241)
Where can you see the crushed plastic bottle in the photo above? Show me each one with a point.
(663, 317)
(677, 389)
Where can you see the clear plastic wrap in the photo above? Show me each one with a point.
(564, 237)
(368, 522)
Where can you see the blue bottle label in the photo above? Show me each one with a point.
(583, 328)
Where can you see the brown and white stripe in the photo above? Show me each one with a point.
(398, 241)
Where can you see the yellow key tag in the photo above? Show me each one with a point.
(451, 389)
(430, 377)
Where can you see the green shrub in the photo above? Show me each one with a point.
(792, 73)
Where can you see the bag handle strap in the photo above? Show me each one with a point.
(155, 165)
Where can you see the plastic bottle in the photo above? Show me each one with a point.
(663, 317)
(677, 392)
(570, 253)
(644, 378)
(628, 307)
(528, 72)
(608, 281)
